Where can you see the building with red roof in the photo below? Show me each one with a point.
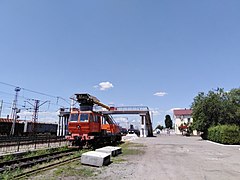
(183, 118)
(182, 112)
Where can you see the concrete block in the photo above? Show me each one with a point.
(94, 158)
(117, 149)
(113, 151)
(107, 150)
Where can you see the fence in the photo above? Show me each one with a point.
(20, 144)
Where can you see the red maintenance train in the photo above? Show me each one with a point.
(91, 128)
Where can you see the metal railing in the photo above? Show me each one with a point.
(130, 108)
(17, 144)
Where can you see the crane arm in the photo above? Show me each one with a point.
(89, 100)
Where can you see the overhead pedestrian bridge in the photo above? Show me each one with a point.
(146, 123)
(143, 111)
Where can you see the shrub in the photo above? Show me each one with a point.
(225, 134)
(204, 135)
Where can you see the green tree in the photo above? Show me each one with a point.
(206, 110)
(216, 107)
(159, 127)
(168, 121)
(234, 104)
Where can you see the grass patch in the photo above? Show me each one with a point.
(66, 170)
(32, 153)
(45, 151)
(131, 144)
(118, 160)
(11, 174)
(6, 175)
(130, 148)
(133, 152)
(137, 145)
(8, 158)
(74, 169)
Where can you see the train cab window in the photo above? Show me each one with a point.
(74, 117)
(94, 118)
(104, 120)
(91, 118)
(98, 119)
(84, 117)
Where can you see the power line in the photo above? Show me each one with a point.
(44, 94)
(10, 94)
(36, 92)
(33, 91)
(8, 84)
(26, 98)
(64, 100)
(24, 105)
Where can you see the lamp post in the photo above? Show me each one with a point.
(152, 116)
(15, 111)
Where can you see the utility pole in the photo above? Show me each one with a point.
(152, 116)
(35, 115)
(14, 111)
(1, 106)
(36, 106)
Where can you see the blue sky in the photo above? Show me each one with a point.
(135, 48)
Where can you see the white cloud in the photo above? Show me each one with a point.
(155, 112)
(104, 86)
(121, 119)
(160, 94)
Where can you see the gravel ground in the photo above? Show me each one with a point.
(171, 157)
(177, 157)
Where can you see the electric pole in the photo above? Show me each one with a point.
(36, 106)
(35, 115)
(14, 111)
(1, 106)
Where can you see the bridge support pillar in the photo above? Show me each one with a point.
(63, 123)
(143, 130)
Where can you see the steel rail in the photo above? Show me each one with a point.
(30, 161)
(48, 167)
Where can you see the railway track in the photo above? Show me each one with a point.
(23, 163)
(47, 167)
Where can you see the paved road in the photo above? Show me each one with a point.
(177, 157)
